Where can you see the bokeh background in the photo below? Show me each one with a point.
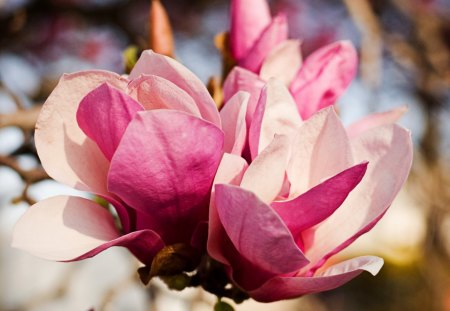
(404, 48)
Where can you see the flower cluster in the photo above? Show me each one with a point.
(264, 191)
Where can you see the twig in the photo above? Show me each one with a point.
(25, 119)
(29, 176)
(372, 44)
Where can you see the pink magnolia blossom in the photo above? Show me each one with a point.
(149, 144)
(260, 45)
(312, 188)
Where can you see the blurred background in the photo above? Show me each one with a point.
(404, 48)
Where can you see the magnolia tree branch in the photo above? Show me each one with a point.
(28, 176)
(24, 119)
(372, 44)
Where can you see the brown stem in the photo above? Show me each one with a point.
(372, 45)
(24, 119)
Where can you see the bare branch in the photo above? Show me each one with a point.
(372, 44)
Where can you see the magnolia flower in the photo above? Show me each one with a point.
(311, 189)
(149, 144)
(260, 46)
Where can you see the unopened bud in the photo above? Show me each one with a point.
(160, 32)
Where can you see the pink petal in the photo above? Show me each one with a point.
(249, 18)
(65, 151)
(70, 228)
(164, 166)
(283, 62)
(233, 123)
(375, 120)
(240, 79)
(324, 76)
(276, 113)
(154, 92)
(256, 231)
(280, 288)
(265, 175)
(230, 171)
(320, 149)
(151, 63)
(274, 34)
(389, 152)
(320, 202)
(104, 114)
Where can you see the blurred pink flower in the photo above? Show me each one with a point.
(311, 189)
(260, 45)
(149, 144)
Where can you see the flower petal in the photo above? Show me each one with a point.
(375, 120)
(266, 174)
(233, 123)
(104, 114)
(320, 202)
(283, 62)
(324, 76)
(151, 63)
(65, 151)
(240, 79)
(154, 92)
(276, 113)
(320, 149)
(256, 231)
(249, 18)
(71, 228)
(165, 166)
(280, 288)
(389, 152)
(275, 33)
(230, 171)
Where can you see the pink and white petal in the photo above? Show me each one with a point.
(143, 244)
(389, 152)
(240, 79)
(71, 228)
(124, 212)
(165, 166)
(230, 171)
(276, 113)
(324, 76)
(265, 175)
(233, 123)
(320, 149)
(256, 231)
(318, 203)
(66, 153)
(249, 18)
(280, 288)
(283, 62)
(375, 120)
(151, 63)
(104, 114)
(154, 92)
(275, 33)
